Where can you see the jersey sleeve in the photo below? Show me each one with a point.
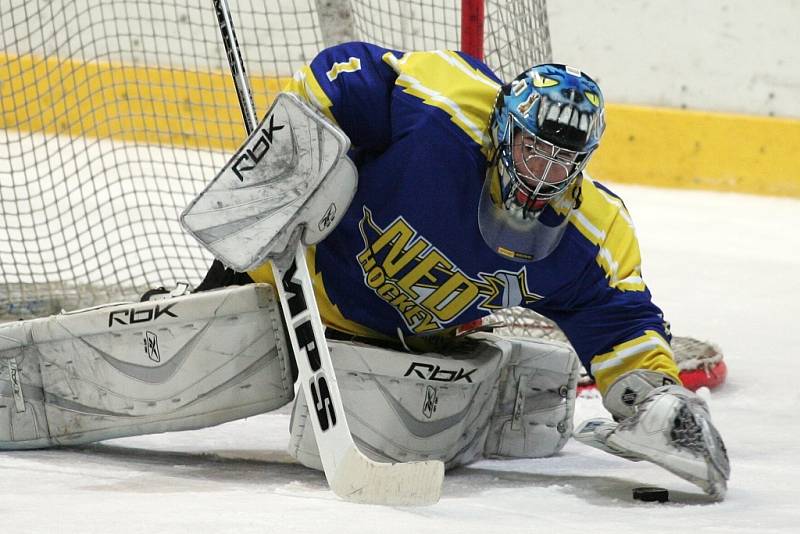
(608, 313)
(352, 85)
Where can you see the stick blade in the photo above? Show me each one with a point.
(362, 480)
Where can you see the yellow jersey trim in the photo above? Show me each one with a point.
(442, 79)
(329, 312)
(306, 86)
(604, 221)
(649, 351)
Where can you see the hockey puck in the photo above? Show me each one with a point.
(648, 494)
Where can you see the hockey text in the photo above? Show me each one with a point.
(414, 277)
(425, 287)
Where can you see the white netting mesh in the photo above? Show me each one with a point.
(690, 353)
(516, 34)
(114, 114)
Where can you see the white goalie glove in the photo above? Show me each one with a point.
(672, 428)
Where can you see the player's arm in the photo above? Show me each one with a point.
(617, 333)
(623, 341)
(606, 310)
(351, 85)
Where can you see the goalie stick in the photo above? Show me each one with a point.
(350, 474)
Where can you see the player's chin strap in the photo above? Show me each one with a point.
(672, 428)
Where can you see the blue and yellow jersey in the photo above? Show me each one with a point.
(408, 258)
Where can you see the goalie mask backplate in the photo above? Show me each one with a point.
(291, 171)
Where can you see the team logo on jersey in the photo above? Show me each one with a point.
(425, 287)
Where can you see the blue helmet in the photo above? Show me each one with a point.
(545, 126)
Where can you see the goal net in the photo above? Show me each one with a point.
(114, 114)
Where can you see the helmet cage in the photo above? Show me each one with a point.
(545, 126)
(541, 171)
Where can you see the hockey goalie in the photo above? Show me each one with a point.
(429, 195)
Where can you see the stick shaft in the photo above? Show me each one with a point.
(296, 295)
(236, 64)
(351, 475)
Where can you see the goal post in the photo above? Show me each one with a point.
(115, 114)
(472, 22)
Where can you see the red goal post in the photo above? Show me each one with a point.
(472, 20)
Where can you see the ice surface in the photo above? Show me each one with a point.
(723, 267)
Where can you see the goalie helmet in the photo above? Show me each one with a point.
(545, 126)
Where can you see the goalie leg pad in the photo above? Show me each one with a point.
(402, 407)
(453, 407)
(138, 368)
(536, 402)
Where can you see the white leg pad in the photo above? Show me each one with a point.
(138, 368)
(453, 407)
(536, 402)
(403, 407)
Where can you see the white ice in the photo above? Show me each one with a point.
(723, 267)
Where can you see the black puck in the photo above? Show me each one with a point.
(650, 494)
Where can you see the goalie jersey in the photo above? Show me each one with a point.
(408, 259)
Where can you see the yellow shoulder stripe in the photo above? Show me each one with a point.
(444, 80)
(604, 221)
(649, 351)
(331, 316)
(306, 86)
